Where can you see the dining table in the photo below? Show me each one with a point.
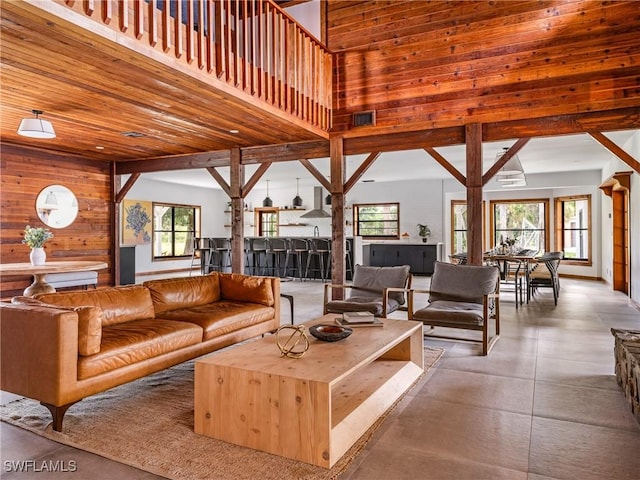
(39, 272)
(507, 262)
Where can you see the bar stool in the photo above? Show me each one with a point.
(222, 252)
(320, 248)
(276, 247)
(296, 249)
(259, 247)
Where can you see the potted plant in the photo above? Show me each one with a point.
(424, 232)
(36, 237)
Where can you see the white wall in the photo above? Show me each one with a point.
(632, 147)
(212, 204)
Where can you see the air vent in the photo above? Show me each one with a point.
(133, 134)
(363, 119)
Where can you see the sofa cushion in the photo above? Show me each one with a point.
(175, 293)
(222, 317)
(135, 341)
(371, 281)
(118, 304)
(89, 323)
(243, 288)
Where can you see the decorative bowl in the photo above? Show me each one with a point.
(330, 333)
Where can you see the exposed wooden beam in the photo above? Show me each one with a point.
(616, 150)
(236, 179)
(360, 171)
(446, 165)
(316, 173)
(220, 180)
(515, 148)
(338, 271)
(474, 193)
(255, 178)
(392, 142)
(126, 187)
(285, 152)
(175, 162)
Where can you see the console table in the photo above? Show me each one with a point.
(39, 272)
(627, 352)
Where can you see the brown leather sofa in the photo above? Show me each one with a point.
(62, 347)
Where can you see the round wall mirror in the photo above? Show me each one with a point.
(57, 206)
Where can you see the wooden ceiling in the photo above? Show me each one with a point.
(94, 90)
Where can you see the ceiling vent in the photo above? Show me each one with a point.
(363, 119)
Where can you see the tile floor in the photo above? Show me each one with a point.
(543, 405)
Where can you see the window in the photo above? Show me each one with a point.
(573, 228)
(267, 222)
(459, 226)
(525, 221)
(174, 228)
(377, 220)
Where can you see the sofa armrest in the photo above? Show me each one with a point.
(38, 352)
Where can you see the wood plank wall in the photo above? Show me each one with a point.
(423, 65)
(25, 172)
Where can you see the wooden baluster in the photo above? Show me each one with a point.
(166, 28)
(203, 30)
(190, 31)
(138, 19)
(123, 15)
(220, 53)
(230, 77)
(246, 48)
(177, 31)
(89, 7)
(107, 13)
(153, 26)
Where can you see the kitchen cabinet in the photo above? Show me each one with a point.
(419, 257)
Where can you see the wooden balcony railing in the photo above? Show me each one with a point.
(252, 45)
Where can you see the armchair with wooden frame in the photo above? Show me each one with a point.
(379, 290)
(461, 296)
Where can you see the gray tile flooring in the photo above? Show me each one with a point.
(543, 405)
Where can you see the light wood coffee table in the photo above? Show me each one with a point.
(314, 408)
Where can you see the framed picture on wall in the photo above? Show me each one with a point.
(136, 222)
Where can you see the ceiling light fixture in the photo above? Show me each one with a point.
(267, 202)
(297, 201)
(36, 127)
(513, 165)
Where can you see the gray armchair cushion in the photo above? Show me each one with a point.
(361, 304)
(371, 282)
(457, 313)
(463, 283)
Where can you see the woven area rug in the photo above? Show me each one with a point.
(148, 424)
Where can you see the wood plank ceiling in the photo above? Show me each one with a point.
(93, 91)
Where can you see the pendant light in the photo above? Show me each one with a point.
(267, 202)
(513, 165)
(297, 201)
(36, 127)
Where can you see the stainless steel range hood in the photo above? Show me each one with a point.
(317, 211)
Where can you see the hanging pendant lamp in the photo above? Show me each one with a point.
(513, 165)
(36, 127)
(297, 201)
(267, 202)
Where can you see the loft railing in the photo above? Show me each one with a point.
(252, 45)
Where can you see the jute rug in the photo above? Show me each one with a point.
(148, 424)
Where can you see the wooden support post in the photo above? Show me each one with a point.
(473, 140)
(337, 211)
(237, 211)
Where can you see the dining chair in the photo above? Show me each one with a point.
(545, 274)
